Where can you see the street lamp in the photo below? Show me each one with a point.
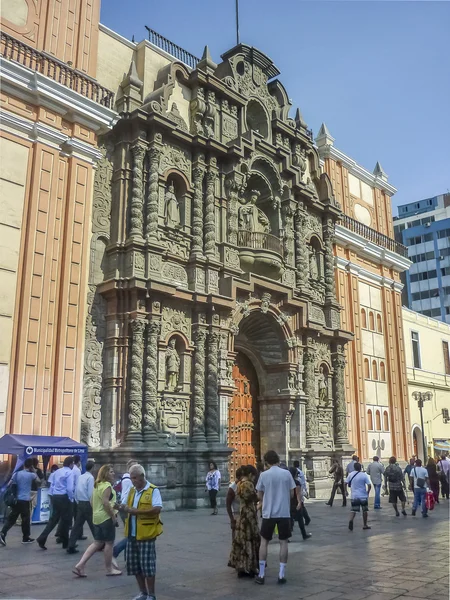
(420, 398)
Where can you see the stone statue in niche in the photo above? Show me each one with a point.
(323, 387)
(172, 366)
(171, 209)
(251, 218)
(313, 270)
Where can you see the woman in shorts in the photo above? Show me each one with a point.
(104, 517)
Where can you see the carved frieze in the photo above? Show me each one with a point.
(175, 274)
(175, 319)
(173, 157)
(174, 414)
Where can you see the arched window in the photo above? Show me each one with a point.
(379, 325)
(385, 421)
(257, 118)
(371, 321)
(382, 371)
(374, 370)
(370, 420)
(366, 369)
(363, 318)
(378, 420)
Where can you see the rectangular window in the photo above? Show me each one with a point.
(428, 237)
(445, 349)
(435, 312)
(415, 349)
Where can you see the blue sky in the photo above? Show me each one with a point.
(377, 73)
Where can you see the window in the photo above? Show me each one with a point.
(371, 322)
(369, 420)
(445, 271)
(363, 319)
(382, 371)
(446, 358)
(415, 349)
(366, 369)
(374, 370)
(378, 420)
(385, 421)
(379, 326)
(435, 312)
(428, 237)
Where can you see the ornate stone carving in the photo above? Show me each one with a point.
(151, 382)
(232, 258)
(198, 108)
(316, 314)
(210, 214)
(252, 82)
(137, 191)
(329, 238)
(301, 251)
(212, 405)
(174, 274)
(172, 366)
(209, 121)
(197, 214)
(340, 407)
(265, 302)
(312, 429)
(152, 198)
(174, 157)
(175, 116)
(198, 421)
(174, 319)
(322, 384)
(251, 218)
(171, 208)
(288, 217)
(136, 375)
(232, 187)
(174, 415)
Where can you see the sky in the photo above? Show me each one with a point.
(376, 72)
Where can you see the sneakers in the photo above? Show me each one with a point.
(28, 541)
(259, 580)
(2, 539)
(413, 513)
(282, 580)
(404, 513)
(307, 536)
(143, 596)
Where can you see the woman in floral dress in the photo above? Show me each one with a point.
(244, 555)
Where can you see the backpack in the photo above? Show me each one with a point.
(10, 497)
(395, 475)
(420, 481)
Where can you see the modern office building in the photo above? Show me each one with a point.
(424, 227)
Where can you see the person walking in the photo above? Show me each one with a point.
(213, 485)
(433, 478)
(24, 480)
(125, 488)
(444, 473)
(62, 492)
(142, 527)
(421, 481)
(375, 471)
(304, 492)
(297, 505)
(360, 485)
(83, 495)
(244, 556)
(104, 517)
(338, 474)
(233, 502)
(407, 472)
(393, 475)
(351, 465)
(275, 489)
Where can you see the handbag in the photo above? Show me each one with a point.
(429, 500)
(10, 498)
(420, 480)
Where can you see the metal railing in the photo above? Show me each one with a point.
(260, 241)
(177, 52)
(51, 67)
(374, 236)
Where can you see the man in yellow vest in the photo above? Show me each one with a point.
(142, 527)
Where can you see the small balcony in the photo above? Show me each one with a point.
(260, 253)
(374, 236)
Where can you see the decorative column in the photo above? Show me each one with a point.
(210, 212)
(288, 235)
(232, 187)
(340, 407)
(212, 400)
(134, 434)
(328, 239)
(151, 227)
(301, 251)
(151, 383)
(312, 424)
(137, 191)
(198, 420)
(198, 174)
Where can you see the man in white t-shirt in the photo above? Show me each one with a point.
(421, 482)
(275, 489)
(360, 485)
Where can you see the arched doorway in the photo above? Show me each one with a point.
(418, 442)
(243, 416)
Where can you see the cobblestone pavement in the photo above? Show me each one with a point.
(398, 558)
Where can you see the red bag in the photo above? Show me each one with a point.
(429, 500)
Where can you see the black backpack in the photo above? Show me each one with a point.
(10, 497)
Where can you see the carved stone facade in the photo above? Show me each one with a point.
(218, 234)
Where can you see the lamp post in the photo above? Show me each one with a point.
(420, 398)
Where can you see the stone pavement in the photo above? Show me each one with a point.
(398, 558)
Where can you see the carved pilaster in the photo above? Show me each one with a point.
(150, 415)
(301, 250)
(210, 214)
(151, 227)
(233, 208)
(312, 424)
(137, 191)
(198, 420)
(134, 433)
(197, 210)
(288, 218)
(340, 407)
(212, 402)
(328, 238)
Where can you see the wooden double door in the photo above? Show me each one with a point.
(243, 416)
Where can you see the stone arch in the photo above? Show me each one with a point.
(266, 167)
(177, 175)
(257, 118)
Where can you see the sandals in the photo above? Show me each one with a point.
(113, 573)
(78, 572)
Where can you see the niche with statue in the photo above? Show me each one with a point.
(324, 383)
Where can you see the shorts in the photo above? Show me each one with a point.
(357, 503)
(284, 528)
(395, 495)
(141, 557)
(105, 532)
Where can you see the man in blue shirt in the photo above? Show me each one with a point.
(24, 480)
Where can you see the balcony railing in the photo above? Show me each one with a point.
(260, 241)
(176, 51)
(374, 236)
(41, 62)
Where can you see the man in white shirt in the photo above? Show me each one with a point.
(421, 482)
(360, 485)
(275, 489)
(126, 486)
(375, 471)
(83, 495)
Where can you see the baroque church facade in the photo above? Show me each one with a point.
(213, 330)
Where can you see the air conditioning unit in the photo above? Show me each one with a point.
(427, 224)
(445, 415)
